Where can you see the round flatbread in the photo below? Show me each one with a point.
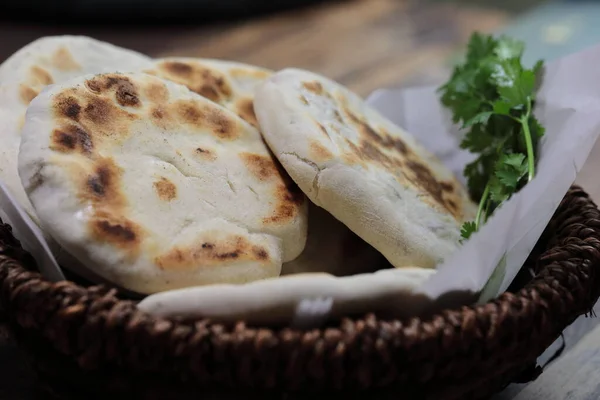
(12, 118)
(227, 83)
(55, 59)
(305, 301)
(332, 248)
(368, 173)
(43, 62)
(156, 187)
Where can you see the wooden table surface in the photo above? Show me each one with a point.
(364, 44)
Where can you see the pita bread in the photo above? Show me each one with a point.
(55, 59)
(368, 173)
(156, 187)
(304, 300)
(12, 116)
(43, 62)
(227, 83)
(333, 248)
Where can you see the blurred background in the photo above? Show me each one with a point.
(364, 44)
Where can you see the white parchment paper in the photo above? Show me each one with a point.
(31, 237)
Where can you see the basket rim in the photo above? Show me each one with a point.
(457, 348)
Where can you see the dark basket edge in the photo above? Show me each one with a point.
(566, 286)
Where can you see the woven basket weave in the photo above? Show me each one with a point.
(84, 342)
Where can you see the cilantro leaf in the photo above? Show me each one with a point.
(477, 174)
(501, 107)
(514, 83)
(508, 48)
(498, 191)
(481, 118)
(509, 171)
(477, 139)
(514, 160)
(526, 82)
(505, 73)
(491, 94)
(480, 46)
(467, 229)
(538, 68)
(467, 110)
(537, 130)
(512, 168)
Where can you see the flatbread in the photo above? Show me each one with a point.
(227, 83)
(156, 187)
(43, 62)
(305, 301)
(368, 173)
(333, 248)
(55, 59)
(12, 118)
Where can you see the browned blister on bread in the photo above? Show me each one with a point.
(227, 83)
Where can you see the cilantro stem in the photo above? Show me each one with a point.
(528, 142)
(482, 205)
(487, 209)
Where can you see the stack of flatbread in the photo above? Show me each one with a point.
(167, 174)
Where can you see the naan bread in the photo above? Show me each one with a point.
(43, 62)
(368, 173)
(333, 248)
(55, 59)
(305, 300)
(156, 187)
(227, 83)
(12, 118)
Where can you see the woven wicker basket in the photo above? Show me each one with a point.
(84, 342)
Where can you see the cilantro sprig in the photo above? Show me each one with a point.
(492, 96)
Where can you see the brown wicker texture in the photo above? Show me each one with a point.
(87, 343)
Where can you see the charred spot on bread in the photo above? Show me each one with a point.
(165, 189)
(215, 251)
(71, 138)
(260, 166)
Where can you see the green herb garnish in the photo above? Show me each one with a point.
(492, 96)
